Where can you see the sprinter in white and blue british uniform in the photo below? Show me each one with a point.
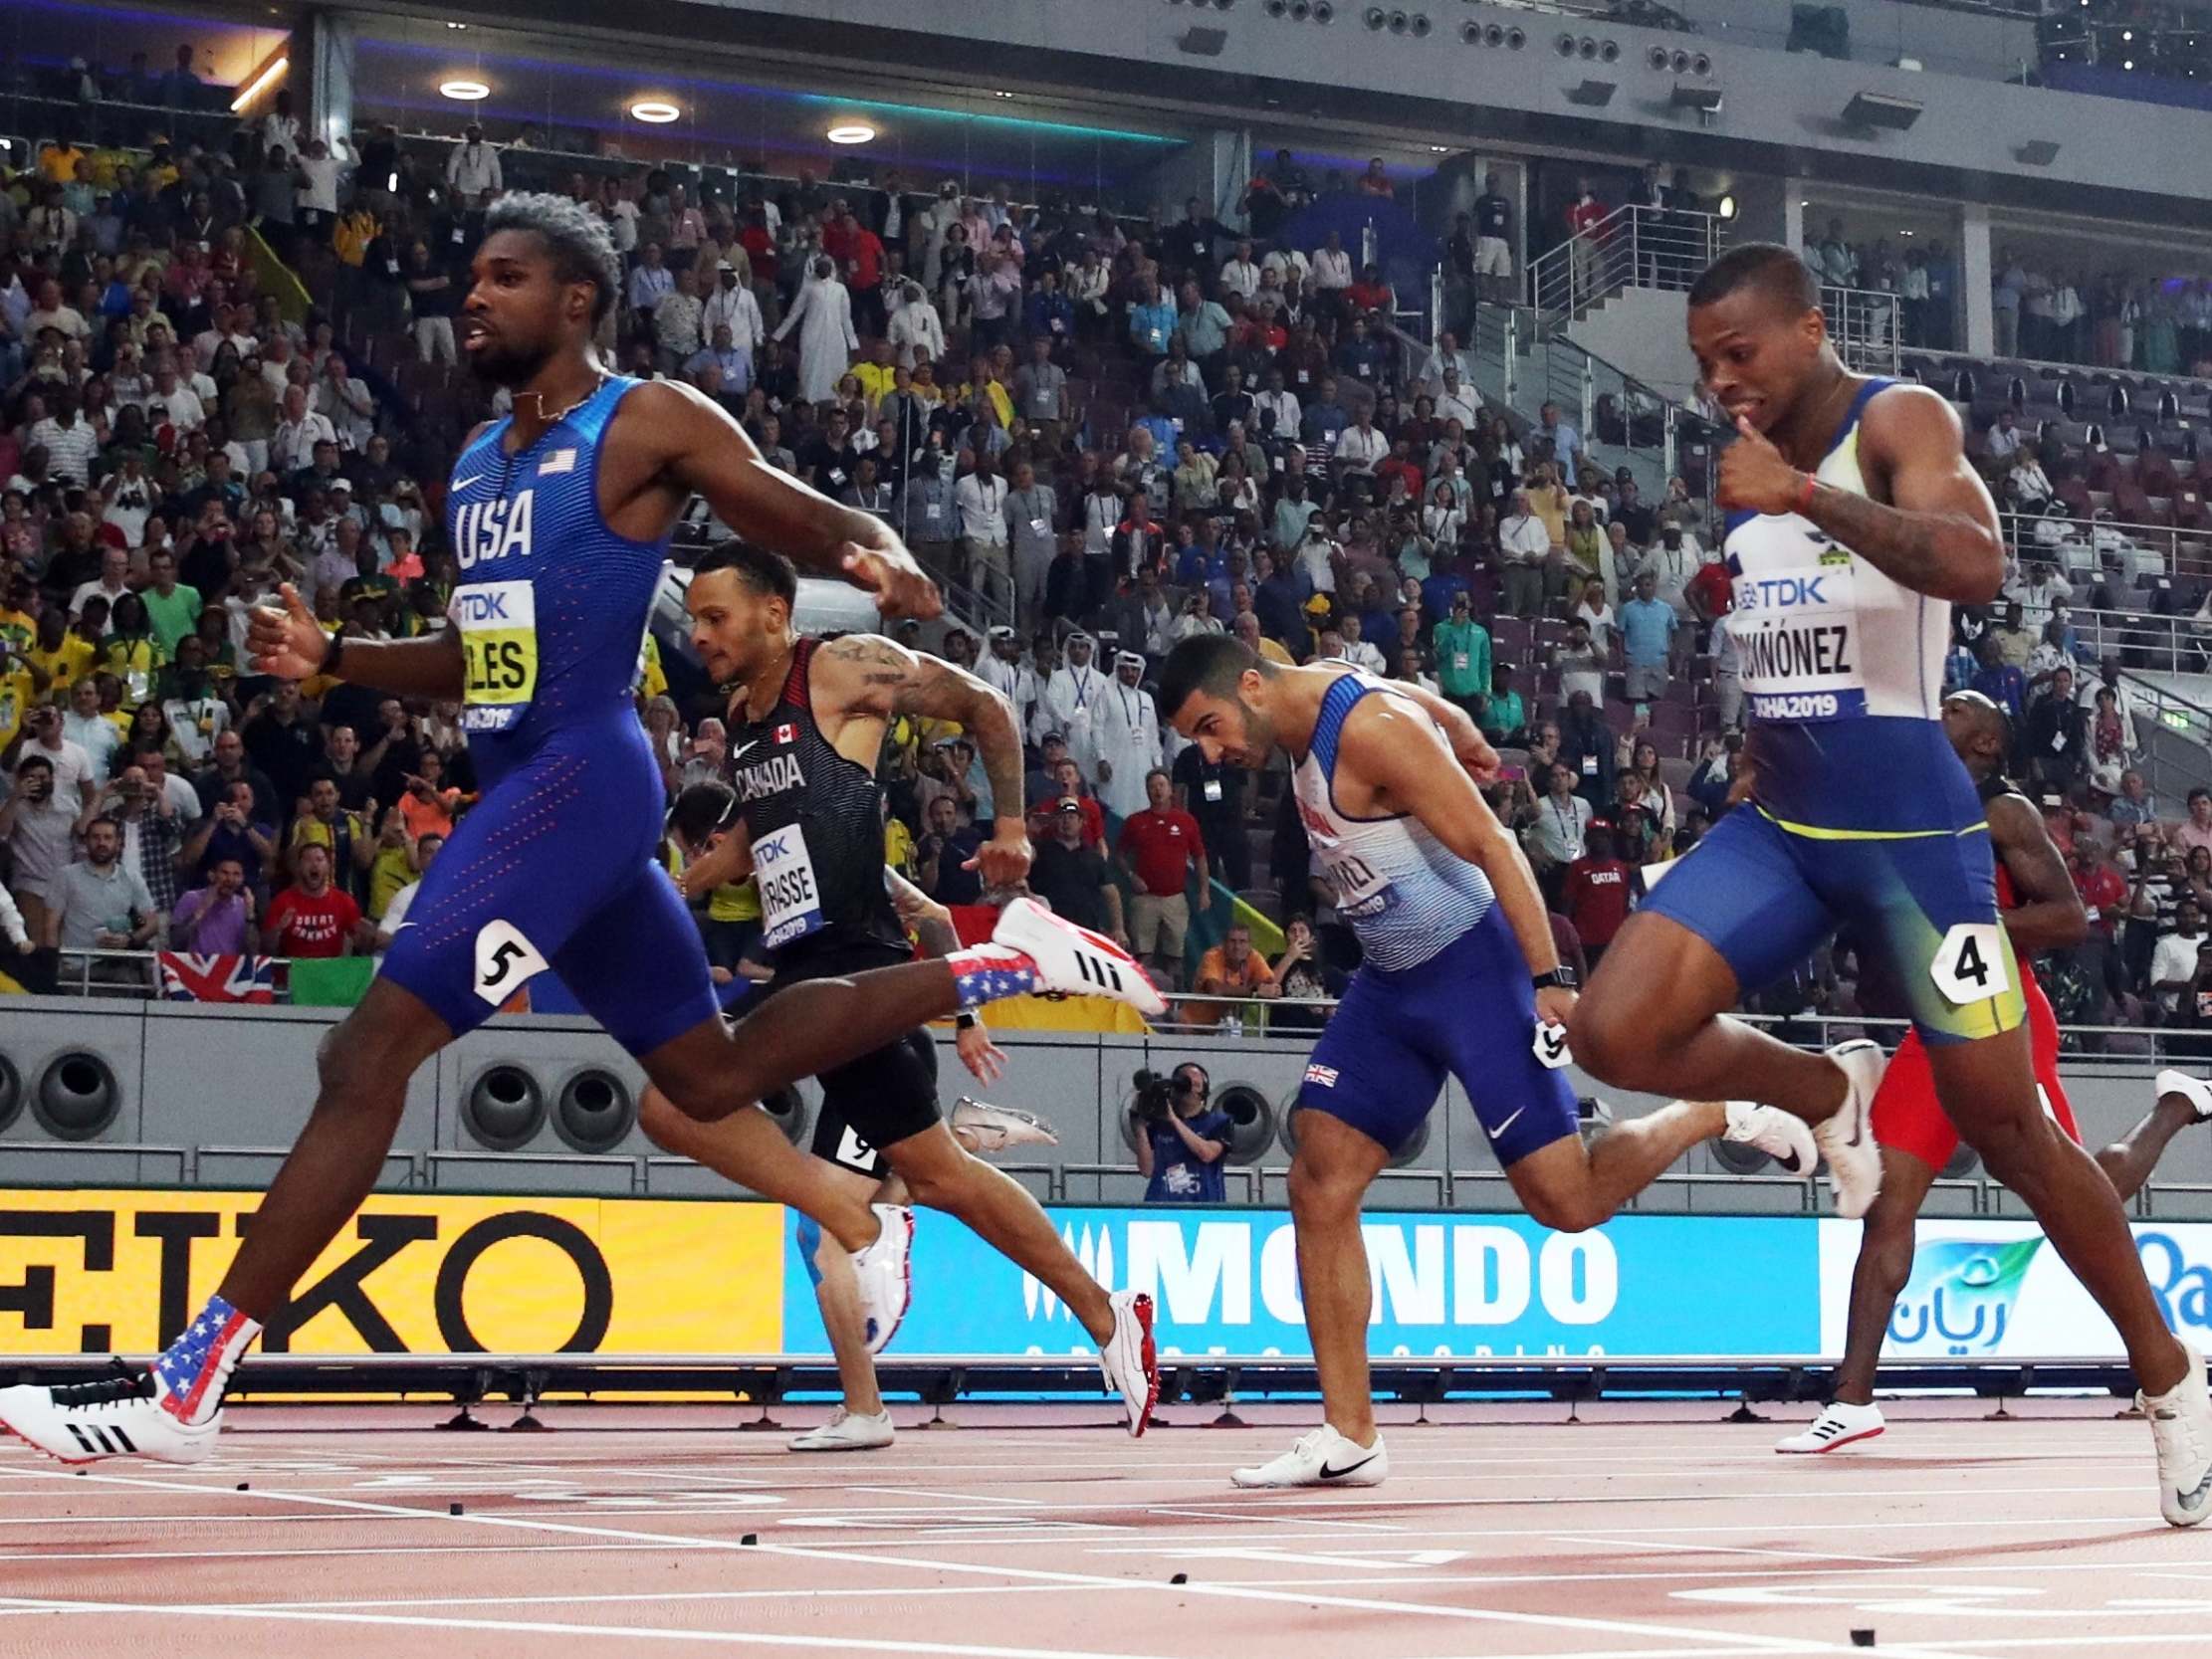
(1460, 980)
(559, 514)
(1855, 523)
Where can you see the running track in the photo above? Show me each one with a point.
(1644, 1531)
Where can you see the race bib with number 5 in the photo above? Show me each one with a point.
(1971, 962)
(1550, 1046)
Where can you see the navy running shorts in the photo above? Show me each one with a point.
(1469, 1011)
(1765, 893)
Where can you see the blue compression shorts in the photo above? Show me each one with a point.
(1469, 1011)
(1765, 893)
(555, 868)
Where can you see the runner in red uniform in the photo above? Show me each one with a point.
(2041, 912)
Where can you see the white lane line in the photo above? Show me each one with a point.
(944, 1497)
(1744, 1642)
(1727, 1550)
(548, 1627)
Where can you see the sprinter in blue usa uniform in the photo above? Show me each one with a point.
(560, 516)
(1855, 523)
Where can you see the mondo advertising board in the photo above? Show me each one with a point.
(1997, 1289)
(99, 1272)
(1227, 1282)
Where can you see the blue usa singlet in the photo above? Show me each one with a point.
(555, 865)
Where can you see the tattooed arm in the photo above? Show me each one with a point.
(1937, 536)
(867, 677)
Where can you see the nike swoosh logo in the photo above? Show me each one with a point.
(1508, 1123)
(1329, 1474)
(464, 483)
(740, 752)
(401, 929)
(2190, 1500)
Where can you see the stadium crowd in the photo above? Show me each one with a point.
(1105, 435)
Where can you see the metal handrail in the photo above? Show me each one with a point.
(1866, 324)
(1631, 247)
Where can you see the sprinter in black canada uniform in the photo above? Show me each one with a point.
(806, 721)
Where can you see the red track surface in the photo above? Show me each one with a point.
(1646, 1531)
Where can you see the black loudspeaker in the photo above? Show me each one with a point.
(1251, 1119)
(791, 1114)
(504, 1108)
(594, 1111)
(11, 1092)
(1962, 1164)
(76, 1098)
(1736, 1158)
(1822, 29)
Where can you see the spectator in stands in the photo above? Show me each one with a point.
(1524, 554)
(2174, 960)
(2000, 681)
(472, 171)
(37, 826)
(312, 918)
(1648, 626)
(2004, 437)
(942, 854)
(432, 293)
(1071, 875)
(1559, 830)
(1235, 975)
(1580, 664)
(2134, 804)
(98, 904)
(1596, 892)
(217, 920)
(2196, 829)
(1462, 654)
(1162, 847)
(1505, 717)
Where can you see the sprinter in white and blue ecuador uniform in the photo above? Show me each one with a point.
(1861, 808)
(551, 608)
(1444, 987)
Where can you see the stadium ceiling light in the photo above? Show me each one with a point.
(259, 84)
(468, 92)
(855, 132)
(1729, 207)
(655, 112)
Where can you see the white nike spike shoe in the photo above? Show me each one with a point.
(992, 1129)
(1785, 1139)
(1129, 1359)
(116, 1416)
(1074, 961)
(2181, 1425)
(1838, 1424)
(848, 1431)
(2194, 1090)
(1321, 1458)
(885, 1272)
(1847, 1140)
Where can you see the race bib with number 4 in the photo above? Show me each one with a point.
(1971, 964)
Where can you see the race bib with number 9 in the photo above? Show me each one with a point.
(498, 622)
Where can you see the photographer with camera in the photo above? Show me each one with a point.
(1180, 1136)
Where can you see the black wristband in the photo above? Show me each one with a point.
(1564, 978)
(966, 1020)
(333, 656)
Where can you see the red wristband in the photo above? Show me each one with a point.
(1811, 487)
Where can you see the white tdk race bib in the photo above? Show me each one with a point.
(1798, 637)
(499, 652)
(790, 903)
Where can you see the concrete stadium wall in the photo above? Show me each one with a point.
(212, 1096)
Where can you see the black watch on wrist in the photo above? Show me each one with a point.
(1559, 978)
(965, 1019)
(331, 658)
